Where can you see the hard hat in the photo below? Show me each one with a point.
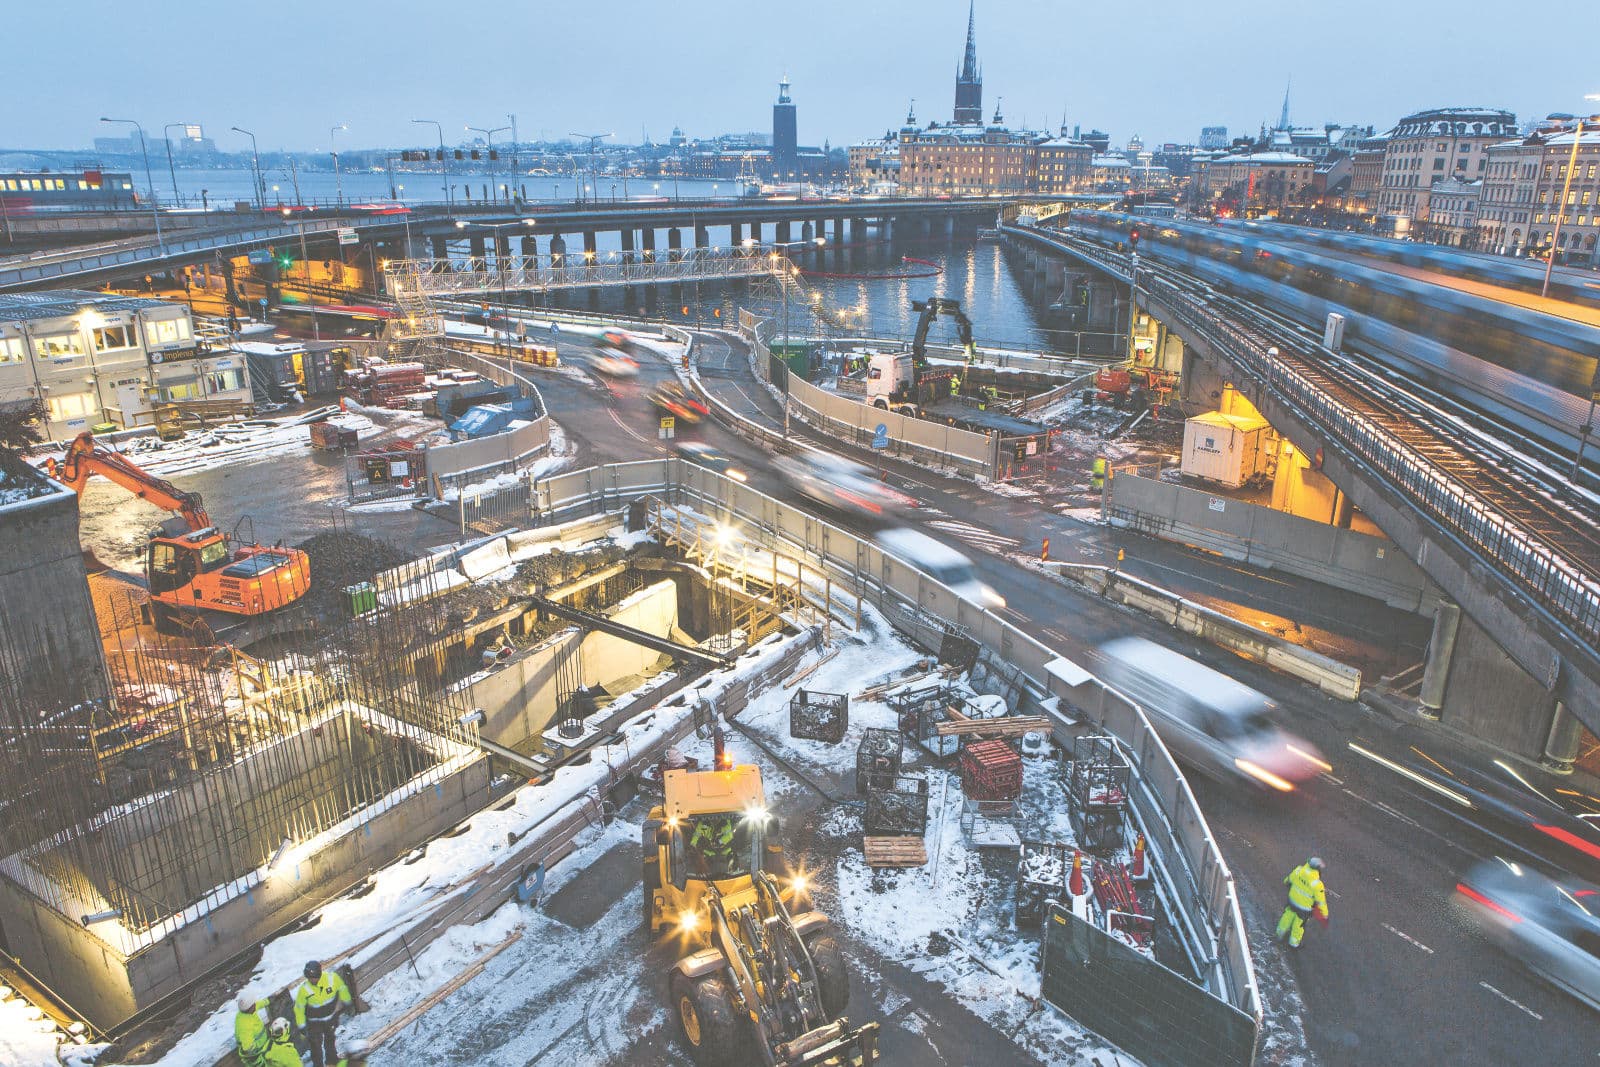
(1315, 863)
(279, 1027)
(313, 970)
(247, 1002)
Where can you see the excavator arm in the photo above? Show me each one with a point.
(85, 459)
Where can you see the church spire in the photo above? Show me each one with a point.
(969, 60)
(969, 82)
(1283, 119)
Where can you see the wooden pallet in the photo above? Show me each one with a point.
(895, 851)
(1009, 726)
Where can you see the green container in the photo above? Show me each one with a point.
(363, 598)
(105, 427)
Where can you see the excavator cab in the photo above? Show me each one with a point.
(173, 562)
(189, 563)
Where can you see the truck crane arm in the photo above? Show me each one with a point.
(931, 309)
(84, 459)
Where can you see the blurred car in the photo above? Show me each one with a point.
(1551, 925)
(1512, 812)
(1220, 726)
(711, 458)
(670, 399)
(941, 563)
(620, 341)
(841, 484)
(614, 364)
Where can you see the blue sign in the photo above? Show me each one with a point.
(880, 436)
(260, 257)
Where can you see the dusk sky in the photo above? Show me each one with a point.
(1162, 69)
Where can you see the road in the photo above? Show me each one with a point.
(1396, 978)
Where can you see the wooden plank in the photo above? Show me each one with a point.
(895, 851)
(376, 1041)
(1010, 726)
(809, 671)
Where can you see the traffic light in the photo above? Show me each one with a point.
(284, 260)
(1133, 238)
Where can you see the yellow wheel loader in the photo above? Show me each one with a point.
(756, 983)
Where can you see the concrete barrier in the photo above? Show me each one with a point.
(1329, 675)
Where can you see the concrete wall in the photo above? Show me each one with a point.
(519, 698)
(108, 983)
(514, 446)
(653, 609)
(919, 438)
(44, 592)
(1263, 537)
(1484, 684)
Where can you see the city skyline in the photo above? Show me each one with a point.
(847, 86)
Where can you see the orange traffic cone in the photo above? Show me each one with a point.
(1075, 883)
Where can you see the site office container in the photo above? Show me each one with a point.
(1227, 449)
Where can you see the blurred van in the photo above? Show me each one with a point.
(1221, 727)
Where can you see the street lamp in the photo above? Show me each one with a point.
(490, 135)
(1561, 205)
(444, 166)
(171, 170)
(255, 158)
(149, 181)
(338, 182)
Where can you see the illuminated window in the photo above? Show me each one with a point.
(189, 390)
(166, 331)
(111, 338)
(71, 406)
(60, 347)
(11, 350)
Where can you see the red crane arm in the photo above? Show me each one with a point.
(85, 458)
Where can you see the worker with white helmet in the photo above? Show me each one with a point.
(250, 1030)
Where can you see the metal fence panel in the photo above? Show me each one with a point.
(1137, 1004)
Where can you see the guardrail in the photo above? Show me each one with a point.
(33, 270)
(1200, 888)
(1518, 556)
(585, 270)
(920, 440)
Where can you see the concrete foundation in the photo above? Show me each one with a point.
(519, 699)
(110, 972)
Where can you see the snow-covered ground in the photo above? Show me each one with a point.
(258, 440)
(28, 1038)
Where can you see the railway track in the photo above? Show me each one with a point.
(1513, 511)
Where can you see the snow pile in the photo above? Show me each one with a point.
(29, 1038)
(256, 440)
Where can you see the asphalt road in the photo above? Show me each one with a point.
(1396, 978)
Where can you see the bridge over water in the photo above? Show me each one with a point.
(435, 231)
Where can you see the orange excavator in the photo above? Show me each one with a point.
(191, 565)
